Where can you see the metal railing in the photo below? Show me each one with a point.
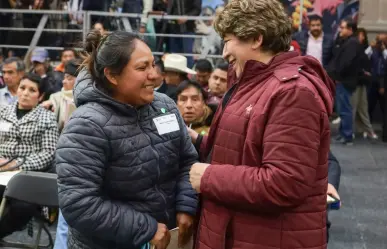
(87, 24)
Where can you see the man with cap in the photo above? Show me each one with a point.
(176, 71)
(41, 66)
(62, 103)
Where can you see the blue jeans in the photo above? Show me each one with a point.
(61, 233)
(182, 45)
(343, 97)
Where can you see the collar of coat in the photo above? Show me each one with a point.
(10, 114)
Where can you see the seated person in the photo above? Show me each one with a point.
(217, 84)
(28, 137)
(12, 71)
(62, 103)
(191, 101)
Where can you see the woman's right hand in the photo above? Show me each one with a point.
(47, 105)
(162, 237)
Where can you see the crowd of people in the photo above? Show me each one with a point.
(359, 68)
(234, 152)
(210, 44)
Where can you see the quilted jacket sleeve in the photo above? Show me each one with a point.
(186, 198)
(291, 142)
(81, 159)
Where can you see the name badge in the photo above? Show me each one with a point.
(166, 124)
(5, 126)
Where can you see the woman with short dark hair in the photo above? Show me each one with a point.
(29, 132)
(28, 137)
(124, 156)
(265, 178)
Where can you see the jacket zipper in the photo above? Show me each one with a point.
(158, 167)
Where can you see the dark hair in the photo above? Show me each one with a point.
(43, 87)
(72, 67)
(103, 24)
(69, 49)
(351, 24)
(203, 65)
(222, 66)
(110, 51)
(20, 66)
(315, 18)
(189, 83)
(364, 31)
(160, 64)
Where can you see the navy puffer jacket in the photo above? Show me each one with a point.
(117, 176)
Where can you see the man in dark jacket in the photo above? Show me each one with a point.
(344, 69)
(377, 53)
(314, 42)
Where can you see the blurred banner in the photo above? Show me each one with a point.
(212, 3)
(332, 12)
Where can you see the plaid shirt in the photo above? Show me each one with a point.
(31, 139)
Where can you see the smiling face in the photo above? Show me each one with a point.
(136, 82)
(28, 95)
(238, 52)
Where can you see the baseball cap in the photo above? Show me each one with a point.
(39, 55)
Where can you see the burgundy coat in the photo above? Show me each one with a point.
(267, 182)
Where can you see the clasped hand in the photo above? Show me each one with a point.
(196, 174)
(162, 237)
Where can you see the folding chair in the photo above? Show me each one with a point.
(35, 188)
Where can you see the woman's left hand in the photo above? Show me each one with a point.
(196, 173)
(3, 160)
(185, 224)
(8, 166)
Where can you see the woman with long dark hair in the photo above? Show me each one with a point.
(123, 158)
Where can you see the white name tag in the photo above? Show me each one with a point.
(166, 124)
(5, 126)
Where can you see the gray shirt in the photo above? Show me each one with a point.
(6, 98)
